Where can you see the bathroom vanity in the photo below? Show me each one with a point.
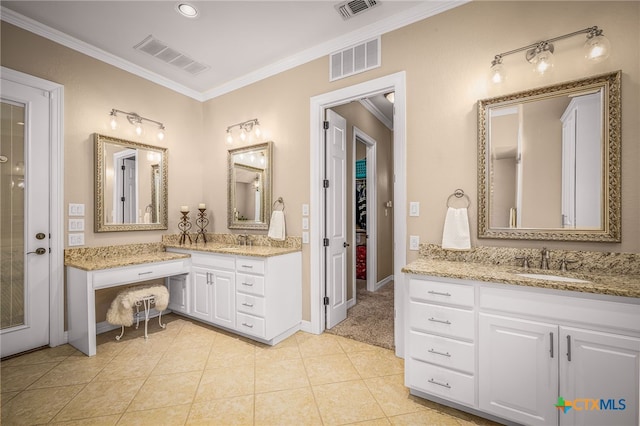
(514, 345)
(254, 291)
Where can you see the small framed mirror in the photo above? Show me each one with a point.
(549, 162)
(130, 185)
(249, 187)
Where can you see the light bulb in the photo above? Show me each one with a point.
(229, 137)
(243, 135)
(497, 72)
(543, 62)
(256, 130)
(138, 129)
(597, 48)
(161, 133)
(113, 122)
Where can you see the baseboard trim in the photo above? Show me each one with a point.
(383, 282)
(306, 327)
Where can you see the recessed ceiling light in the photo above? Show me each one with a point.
(186, 9)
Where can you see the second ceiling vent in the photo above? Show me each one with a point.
(349, 9)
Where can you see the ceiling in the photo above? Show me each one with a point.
(239, 41)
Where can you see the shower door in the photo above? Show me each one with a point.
(24, 218)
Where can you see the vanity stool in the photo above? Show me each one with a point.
(121, 310)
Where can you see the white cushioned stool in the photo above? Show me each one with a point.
(121, 310)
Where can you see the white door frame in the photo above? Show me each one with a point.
(394, 82)
(372, 212)
(56, 190)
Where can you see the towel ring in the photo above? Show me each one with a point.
(277, 202)
(459, 193)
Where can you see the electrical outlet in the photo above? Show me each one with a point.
(76, 225)
(305, 223)
(76, 239)
(305, 238)
(414, 242)
(414, 208)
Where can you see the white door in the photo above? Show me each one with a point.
(24, 218)
(336, 215)
(129, 202)
(518, 369)
(599, 366)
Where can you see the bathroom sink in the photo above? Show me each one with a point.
(553, 278)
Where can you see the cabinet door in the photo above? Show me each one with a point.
(518, 369)
(599, 370)
(224, 298)
(201, 301)
(178, 296)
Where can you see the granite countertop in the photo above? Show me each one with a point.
(94, 263)
(235, 249)
(626, 285)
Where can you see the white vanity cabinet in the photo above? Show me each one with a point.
(535, 347)
(440, 339)
(260, 297)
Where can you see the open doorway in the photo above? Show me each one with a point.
(321, 280)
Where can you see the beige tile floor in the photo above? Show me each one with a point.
(192, 374)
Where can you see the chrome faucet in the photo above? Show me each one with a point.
(244, 238)
(544, 263)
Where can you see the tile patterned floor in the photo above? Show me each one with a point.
(192, 374)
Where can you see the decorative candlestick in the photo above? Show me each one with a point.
(202, 223)
(184, 225)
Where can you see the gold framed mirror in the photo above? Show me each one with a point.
(130, 185)
(249, 187)
(549, 162)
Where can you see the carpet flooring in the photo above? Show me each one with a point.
(371, 319)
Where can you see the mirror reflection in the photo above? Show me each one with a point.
(249, 187)
(131, 182)
(549, 161)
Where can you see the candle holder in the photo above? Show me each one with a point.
(202, 223)
(184, 226)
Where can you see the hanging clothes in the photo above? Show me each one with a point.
(361, 203)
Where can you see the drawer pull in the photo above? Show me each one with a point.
(440, 321)
(437, 293)
(247, 325)
(444, 385)
(433, 351)
(248, 284)
(247, 266)
(250, 305)
(145, 273)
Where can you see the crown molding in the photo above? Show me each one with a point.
(375, 111)
(407, 17)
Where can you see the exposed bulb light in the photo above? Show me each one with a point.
(541, 54)
(256, 130)
(114, 121)
(161, 133)
(187, 10)
(243, 135)
(139, 129)
(248, 129)
(137, 121)
(229, 137)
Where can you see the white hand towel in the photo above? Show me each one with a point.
(276, 226)
(455, 235)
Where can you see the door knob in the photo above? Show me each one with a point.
(345, 244)
(39, 251)
(40, 236)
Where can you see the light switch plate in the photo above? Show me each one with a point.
(76, 239)
(414, 208)
(76, 209)
(76, 225)
(414, 242)
(305, 223)
(305, 238)
(305, 210)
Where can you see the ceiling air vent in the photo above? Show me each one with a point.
(160, 50)
(355, 59)
(349, 9)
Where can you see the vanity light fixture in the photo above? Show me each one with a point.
(540, 54)
(246, 127)
(135, 120)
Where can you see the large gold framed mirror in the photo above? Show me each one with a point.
(549, 162)
(249, 187)
(130, 185)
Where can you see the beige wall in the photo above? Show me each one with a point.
(446, 59)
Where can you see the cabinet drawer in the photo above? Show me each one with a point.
(217, 261)
(251, 284)
(248, 304)
(443, 320)
(434, 291)
(442, 351)
(441, 381)
(250, 324)
(131, 274)
(250, 265)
